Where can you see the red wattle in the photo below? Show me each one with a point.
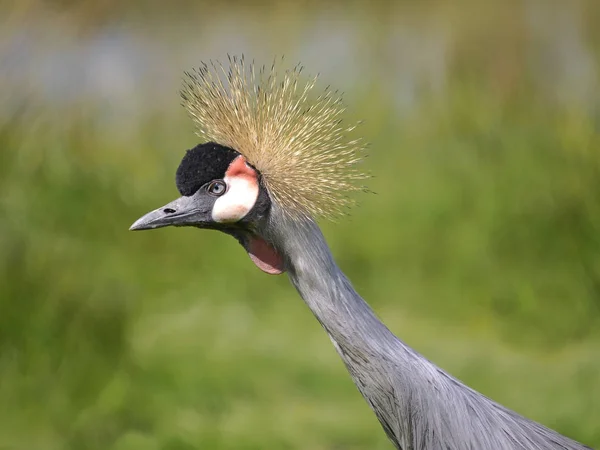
(264, 256)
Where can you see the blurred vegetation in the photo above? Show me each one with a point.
(480, 248)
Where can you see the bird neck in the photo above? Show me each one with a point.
(348, 319)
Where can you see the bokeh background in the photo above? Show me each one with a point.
(480, 246)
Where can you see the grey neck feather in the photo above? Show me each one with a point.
(419, 405)
(328, 293)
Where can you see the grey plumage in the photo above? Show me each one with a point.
(277, 161)
(420, 406)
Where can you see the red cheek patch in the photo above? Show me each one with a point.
(241, 195)
(240, 168)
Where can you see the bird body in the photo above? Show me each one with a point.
(419, 405)
(263, 184)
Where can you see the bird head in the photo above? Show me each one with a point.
(220, 190)
(268, 146)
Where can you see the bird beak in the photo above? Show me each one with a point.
(181, 212)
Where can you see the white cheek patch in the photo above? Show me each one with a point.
(239, 199)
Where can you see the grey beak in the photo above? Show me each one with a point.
(180, 212)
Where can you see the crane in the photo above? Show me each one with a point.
(273, 160)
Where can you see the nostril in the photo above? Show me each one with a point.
(168, 211)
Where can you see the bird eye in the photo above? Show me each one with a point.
(217, 188)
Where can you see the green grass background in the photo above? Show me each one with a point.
(480, 248)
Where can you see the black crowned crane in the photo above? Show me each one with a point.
(272, 162)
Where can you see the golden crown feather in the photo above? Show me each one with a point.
(306, 157)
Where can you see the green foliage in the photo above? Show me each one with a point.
(172, 339)
(480, 248)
